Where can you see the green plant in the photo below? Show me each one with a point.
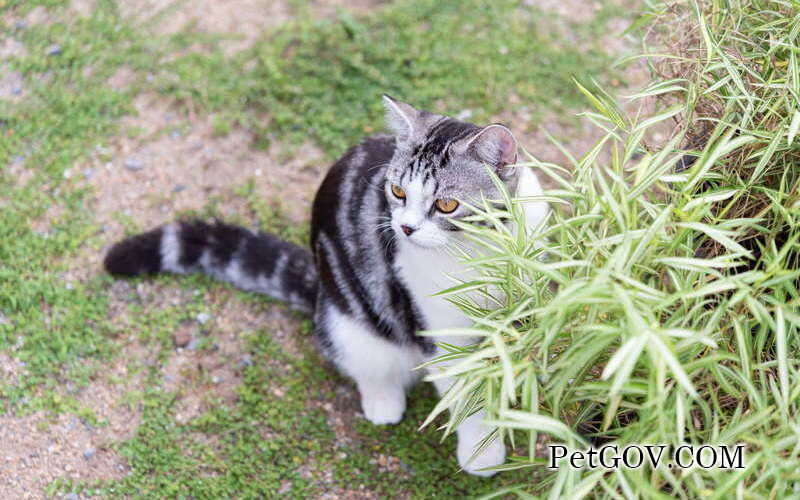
(660, 303)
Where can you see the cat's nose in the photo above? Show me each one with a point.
(407, 229)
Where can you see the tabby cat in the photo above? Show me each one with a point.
(382, 243)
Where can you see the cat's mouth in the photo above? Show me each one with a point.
(421, 238)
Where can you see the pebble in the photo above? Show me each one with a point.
(192, 345)
(245, 361)
(71, 496)
(178, 188)
(89, 453)
(20, 25)
(67, 173)
(216, 380)
(181, 338)
(87, 173)
(134, 164)
(53, 50)
(203, 318)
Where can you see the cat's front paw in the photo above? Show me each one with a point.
(383, 407)
(492, 456)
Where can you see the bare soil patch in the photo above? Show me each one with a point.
(241, 21)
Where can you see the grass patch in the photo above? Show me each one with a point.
(54, 327)
(324, 80)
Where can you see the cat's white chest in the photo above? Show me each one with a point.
(426, 272)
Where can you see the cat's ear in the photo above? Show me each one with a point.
(401, 117)
(495, 145)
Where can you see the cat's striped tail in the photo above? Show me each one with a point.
(258, 262)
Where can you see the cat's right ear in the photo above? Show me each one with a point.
(400, 117)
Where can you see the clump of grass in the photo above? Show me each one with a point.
(324, 80)
(660, 302)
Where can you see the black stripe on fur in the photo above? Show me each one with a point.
(140, 254)
(258, 262)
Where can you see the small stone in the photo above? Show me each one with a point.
(88, 173)
(503, 50)
(133, 164)
(67, 173)
(71, 496)
(174, 134)
(178, 188)
(216, 380)
(181, 338)
(192, 345)
(17, 90)
(203, 318)
(20, 25)
(88, 454)
(257, 172)
(53, 50)
(245, 361)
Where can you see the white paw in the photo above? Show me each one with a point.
(383, 407)
(492, 456)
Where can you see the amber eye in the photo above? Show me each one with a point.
(398, 192)
(446, 206)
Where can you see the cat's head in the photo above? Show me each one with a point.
(439, 164)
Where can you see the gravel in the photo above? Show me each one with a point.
(133, 164)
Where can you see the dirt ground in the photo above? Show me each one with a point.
(171, 164)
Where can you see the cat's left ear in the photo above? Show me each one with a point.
(401, 117)
(495, 145)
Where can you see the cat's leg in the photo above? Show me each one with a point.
(472, 430)
(382, 369)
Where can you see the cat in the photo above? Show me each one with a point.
(382, 242)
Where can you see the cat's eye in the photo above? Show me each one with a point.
(446, 206)
(398, 192)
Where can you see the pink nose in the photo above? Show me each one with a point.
(407, 229)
